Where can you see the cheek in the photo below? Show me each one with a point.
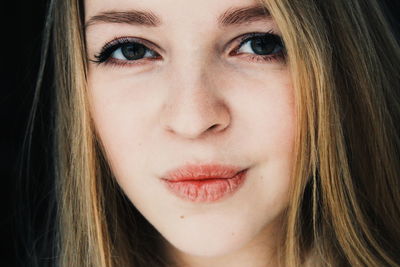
(276, 126)
(266, 130)
(270, 123)
(123, 113)
(267, 113)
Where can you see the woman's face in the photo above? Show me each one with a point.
(189, 83)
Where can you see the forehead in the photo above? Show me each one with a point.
(170, 11)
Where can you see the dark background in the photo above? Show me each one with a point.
(21, 39)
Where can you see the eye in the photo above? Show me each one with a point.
(125, 50)
(132, 51)
(261, 46)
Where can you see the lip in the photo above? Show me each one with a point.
(204, 183)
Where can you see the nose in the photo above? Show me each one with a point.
(194, 108)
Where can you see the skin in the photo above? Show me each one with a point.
(157, 116)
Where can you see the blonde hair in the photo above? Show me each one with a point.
(344, 62)
(344, 208)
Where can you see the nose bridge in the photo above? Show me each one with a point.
(193, 61)
(194, 106)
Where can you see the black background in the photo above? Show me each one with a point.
(21, 39)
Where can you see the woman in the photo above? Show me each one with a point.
(226, 133)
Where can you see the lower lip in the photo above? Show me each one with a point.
(206, 190)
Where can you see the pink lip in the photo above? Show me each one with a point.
(204, 183)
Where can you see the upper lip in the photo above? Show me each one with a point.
(200, 172)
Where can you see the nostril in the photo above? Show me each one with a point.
(214, 126)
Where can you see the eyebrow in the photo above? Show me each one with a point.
(134, 17)
(233, 16)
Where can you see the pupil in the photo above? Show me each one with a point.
(265, 45)
(133, 51)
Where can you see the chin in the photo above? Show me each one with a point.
(210, 241)
(207, 249)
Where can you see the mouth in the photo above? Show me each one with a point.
(205, 183)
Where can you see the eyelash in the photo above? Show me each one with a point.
(104, 56)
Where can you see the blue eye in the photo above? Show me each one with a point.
(132, 51)
(261, 44)
(125, 50)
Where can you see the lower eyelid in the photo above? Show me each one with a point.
(126, 63)
(245, 56)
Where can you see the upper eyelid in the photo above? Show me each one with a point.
(246, 37)
(123, 40)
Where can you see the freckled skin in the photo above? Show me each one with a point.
(197, 104)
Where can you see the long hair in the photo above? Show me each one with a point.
(344, 206)
(344, 200)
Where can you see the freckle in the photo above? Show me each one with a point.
(182, 217)
(233, 233)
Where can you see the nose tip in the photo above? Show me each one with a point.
(190, 131)
(197, 118)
